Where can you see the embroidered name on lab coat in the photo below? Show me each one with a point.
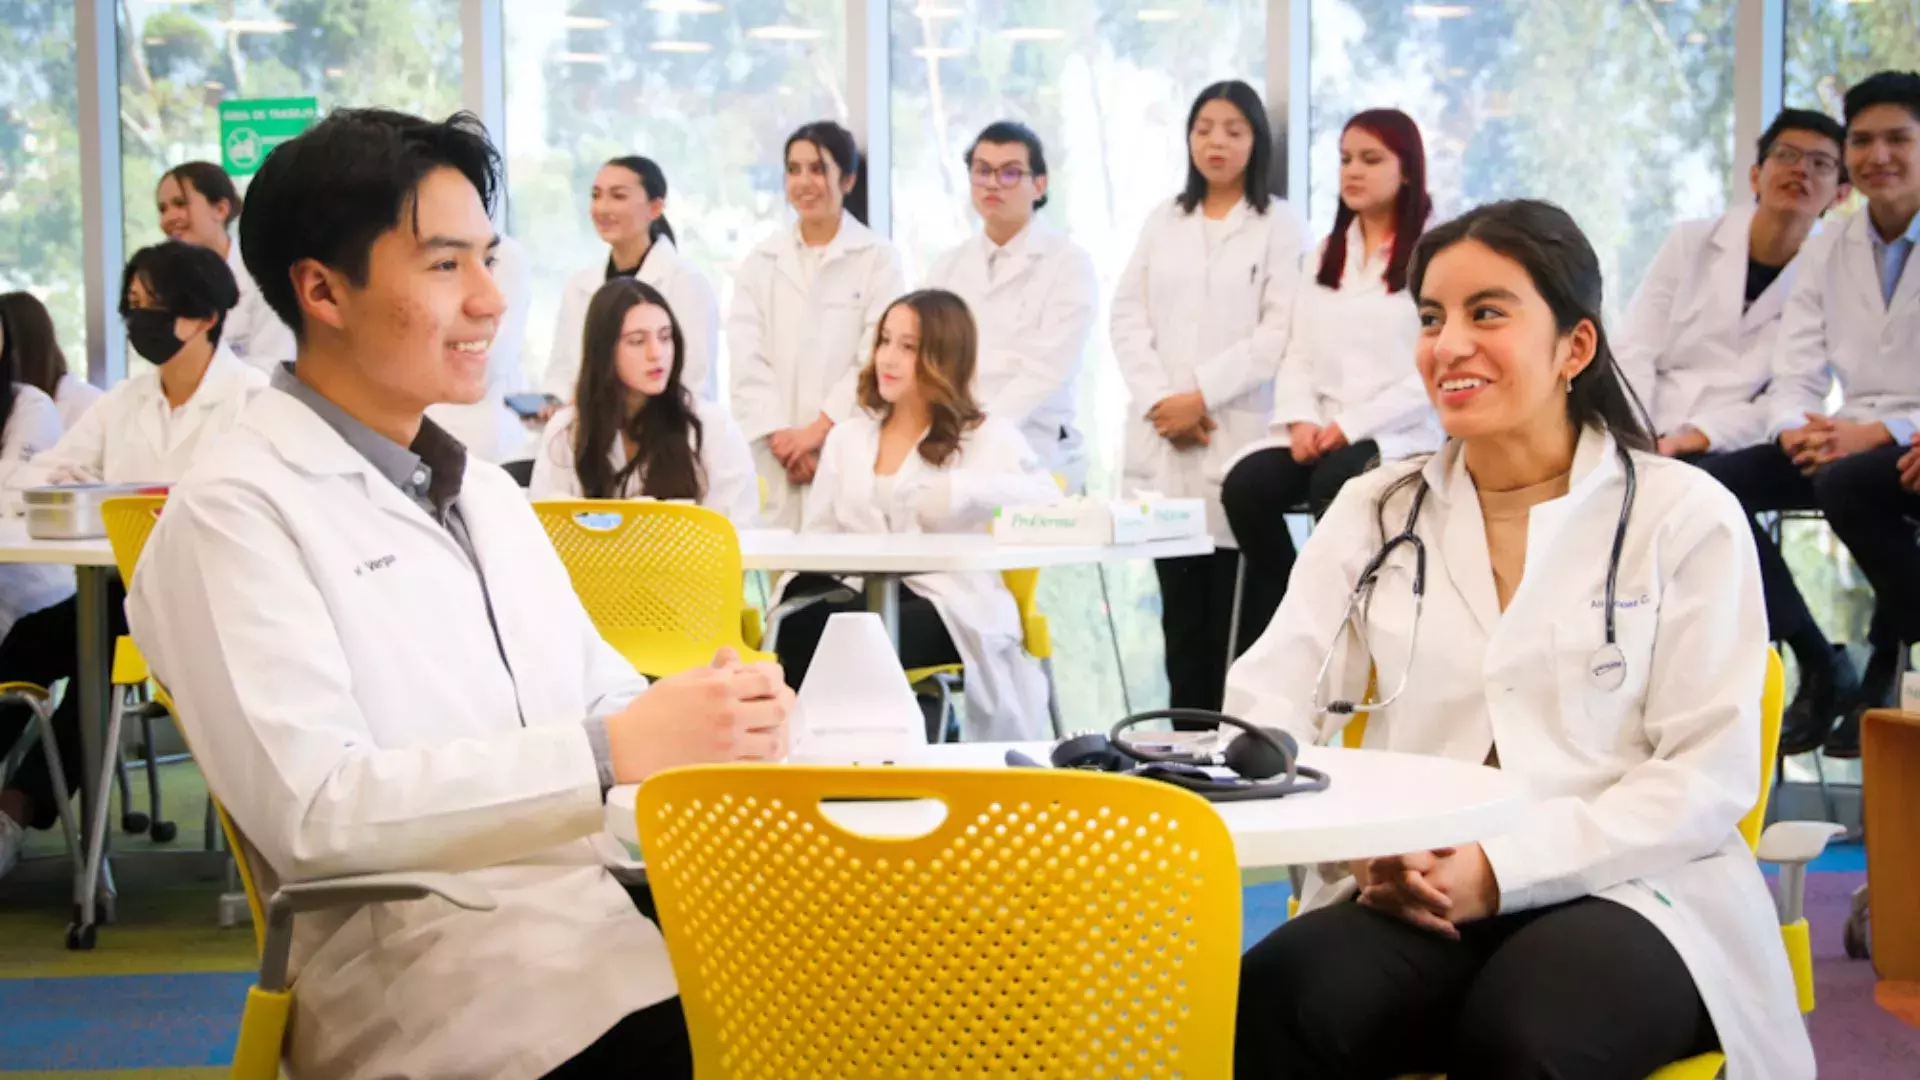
(371, 565)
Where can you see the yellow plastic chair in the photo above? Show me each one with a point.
(1055, 923)
(661, 581)
(130, 521)
(1791, 845)
(1036, 638)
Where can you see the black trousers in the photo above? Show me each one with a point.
(42, 648)
(651, 1043)
(1196, 605)
(1257, 495)
(1865, 506)
(1587, 990)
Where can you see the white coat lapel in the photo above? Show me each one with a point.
(1727, 269)
(1595, 464)
(1463, 535)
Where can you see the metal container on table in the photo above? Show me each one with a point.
(72, 511)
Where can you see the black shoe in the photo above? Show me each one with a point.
(1876, 691)
(1817, 704)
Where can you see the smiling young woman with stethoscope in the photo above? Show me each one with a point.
(1561, 602)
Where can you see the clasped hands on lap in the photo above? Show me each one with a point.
(727, 711)
(1439, 891)
(798, 448)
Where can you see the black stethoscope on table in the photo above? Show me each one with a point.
(1606, 670)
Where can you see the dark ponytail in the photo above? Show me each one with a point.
(838, 143)
(654, 182)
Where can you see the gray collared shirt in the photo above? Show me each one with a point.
(430, 472)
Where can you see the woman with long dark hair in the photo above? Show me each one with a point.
(634, 429)
(806, 303)
(1199, 322)
(32, 353)
(1347, 395)
(1591, 625)
(198, 205)
(629, 207)
(920, 456)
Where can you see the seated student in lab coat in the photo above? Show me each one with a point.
(1853, 318)
(31, 648)
(199, 204)
(381, 663)
(174, 299)
(629, 206)
(634, 430)
(1347, 395)
(33, 355)
(1199, 323)
(1033, 295)
(805, 305)
(1623, 924)
(1699, 337)
(921, 456)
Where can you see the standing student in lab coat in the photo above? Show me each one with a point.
(33, 354)
(1033, 295)
(487, 428)
(630, 213)
(1853, 318)
(634, 430)
(1347, 395)
(921, 456)
(174, 300)
(1699, 337)
(382, 665)
(1623, 924)
(805, 305)
(199, 204)
(1199, 323)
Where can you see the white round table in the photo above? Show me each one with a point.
(1380, 803)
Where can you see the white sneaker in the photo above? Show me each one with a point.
(12, 839)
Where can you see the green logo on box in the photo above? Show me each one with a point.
(250, 127)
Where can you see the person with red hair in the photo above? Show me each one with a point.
(1347, 395)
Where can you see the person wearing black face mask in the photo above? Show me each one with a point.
(174, 301)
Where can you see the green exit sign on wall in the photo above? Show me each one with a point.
(249, 127)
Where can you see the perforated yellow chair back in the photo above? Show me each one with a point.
(660, 581)
(129, 520)
(1054, 924)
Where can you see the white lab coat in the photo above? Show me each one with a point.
(330, 648)
(688, 293)
(487, 428)
(1637, 791)
(31, 427)
(1350, 360)
(1006, 689)
(133, 436)
(253, 331)
(1186, 319)
(74, 395)
(733, 487)
(1034, 314)
(1837, 328)
(796, 350)
(1694, 357)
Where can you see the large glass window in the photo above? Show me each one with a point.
(41, 249)
(1621, 113)
(179, 59)
(709, 90)
(1832, 44)
(1106, 84)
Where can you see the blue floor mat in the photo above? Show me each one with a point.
(121, 1021)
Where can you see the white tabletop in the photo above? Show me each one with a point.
(17, 547)
(919, 553)
(1379, 803)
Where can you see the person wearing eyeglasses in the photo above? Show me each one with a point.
(1033, 293)
(1698, 360)
(1852, 322)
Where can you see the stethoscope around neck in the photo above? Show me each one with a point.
(1606, 669)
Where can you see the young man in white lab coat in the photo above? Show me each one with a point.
(1699, 337)
(1033, 294)
(382, 665)
(1853, 318)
